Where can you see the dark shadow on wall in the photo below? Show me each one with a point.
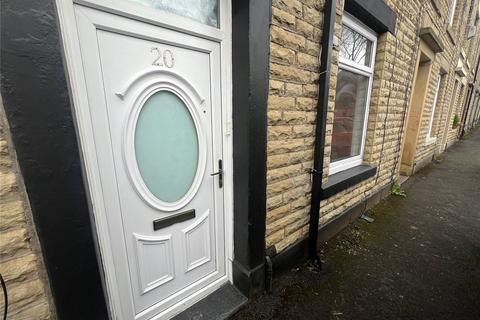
(36, 100)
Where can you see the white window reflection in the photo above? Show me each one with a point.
(355, 47)
(204, 11)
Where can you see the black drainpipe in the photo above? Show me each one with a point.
(322, 107)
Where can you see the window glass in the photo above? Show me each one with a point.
(355, 47)
(431, 129)
(354, 80)
(349, 115)
(451, 14)
(204, 11)
(166, 146)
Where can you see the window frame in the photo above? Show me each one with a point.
(451, 13)
(431, 139)
(357, 68)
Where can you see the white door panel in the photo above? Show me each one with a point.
(137, 76)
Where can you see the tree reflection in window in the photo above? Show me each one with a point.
(355, 47)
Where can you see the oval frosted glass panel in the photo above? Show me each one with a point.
(204, 11)
(166, 146)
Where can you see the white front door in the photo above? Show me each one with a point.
(155, 105)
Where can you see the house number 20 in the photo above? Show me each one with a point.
(163, 58)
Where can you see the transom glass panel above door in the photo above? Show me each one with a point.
(204, 11)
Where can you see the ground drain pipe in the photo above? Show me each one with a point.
(329, 14)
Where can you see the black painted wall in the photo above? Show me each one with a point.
(250, 57)
(36, 101)
(374, 13)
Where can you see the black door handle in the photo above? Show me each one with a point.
(219, 173)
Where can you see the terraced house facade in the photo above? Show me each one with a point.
(157, 154)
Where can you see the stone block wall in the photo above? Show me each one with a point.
(294, 63)
(467, 51)
(473, 58)
(436, 16)
(393, 72)
(393, 63)
(295, 46)
(21, 262)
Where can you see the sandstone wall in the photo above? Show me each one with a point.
(295, 46)
(21, 262)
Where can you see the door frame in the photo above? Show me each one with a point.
(427, 52)
(80, 109)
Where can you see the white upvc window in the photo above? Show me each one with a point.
(451, 13)
(354, 84)
(430, 137)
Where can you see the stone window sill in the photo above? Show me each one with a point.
(430, 141)
(345, 179)
(450, 35)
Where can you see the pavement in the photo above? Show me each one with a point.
(418, 259)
